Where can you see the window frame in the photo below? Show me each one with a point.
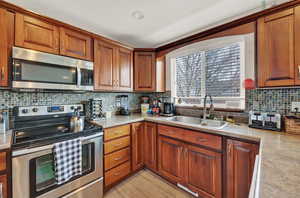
(247, 51)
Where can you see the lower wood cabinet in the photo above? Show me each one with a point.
(117, 154)
(203, 171)
(196, 168)
(171, 159)
(150, 147)
(240, 165)
(137, 146)
(116, 174)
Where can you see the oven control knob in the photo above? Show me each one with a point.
(25, 111)
(35, 110)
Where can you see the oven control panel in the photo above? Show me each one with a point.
(53, 109)
(46, 110)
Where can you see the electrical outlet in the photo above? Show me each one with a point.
(294, 106)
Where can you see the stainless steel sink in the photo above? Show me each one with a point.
(197, 121)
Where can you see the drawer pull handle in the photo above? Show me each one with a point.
(201, 140)
(116, 174)
(118, 158)
(117, 145)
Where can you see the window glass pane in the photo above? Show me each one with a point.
(188, 75)
(223, 71)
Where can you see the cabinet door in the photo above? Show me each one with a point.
(170, 159)
(150, 147)
(240, 164)
(36, 34)
(75, 44)
(203, 171)
(144, 71)
(137, 137)
(124, 78)
(4, 47)
(104, 61)
(297, 44)
(276, 65)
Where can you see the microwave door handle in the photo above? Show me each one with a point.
(78, 77)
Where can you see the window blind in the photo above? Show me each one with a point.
(223, 71)
(188, 78)
(215, 72)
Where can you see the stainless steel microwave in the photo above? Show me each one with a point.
(38, 70)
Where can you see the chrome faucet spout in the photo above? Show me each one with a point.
(205, 109)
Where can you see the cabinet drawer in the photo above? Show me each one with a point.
(117, 173)
(2, 161)
(116, 132)
(116, 158)
(194, 137)
(117, 144)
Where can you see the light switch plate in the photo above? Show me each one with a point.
(294, 106)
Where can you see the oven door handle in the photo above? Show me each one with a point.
(85, 140)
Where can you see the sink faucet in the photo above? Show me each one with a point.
(210, 108)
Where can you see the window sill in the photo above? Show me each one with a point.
(186, 106)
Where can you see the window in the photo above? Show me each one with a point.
(215, 67)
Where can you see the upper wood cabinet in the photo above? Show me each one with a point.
(149, 72)
(279, 49)
(4, 43)
(104, 63)
(75, 44)
(124, 69)
(137, 145)
(144, 71)
(150, 147)
(113, 67)
(36, 34)
(240, 165)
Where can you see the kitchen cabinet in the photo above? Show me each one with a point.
(75, 44)
(203, 172)
(150, 145)
(117, 154)
(6, 43)
(104, 62)
(278, 49)
(113, 67)
(194, 167)
(149, 72)
(137, 137)
(171, 159)
(36, 34)
(240, 165)
(144, 71)
(124, 69)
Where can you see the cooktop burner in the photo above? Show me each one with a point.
(40, 130)
(43, 135)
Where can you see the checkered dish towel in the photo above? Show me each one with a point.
(67, 160)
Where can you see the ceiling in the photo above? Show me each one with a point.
(164, 20)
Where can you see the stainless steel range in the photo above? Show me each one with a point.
(36, 130)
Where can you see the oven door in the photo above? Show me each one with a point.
(33, 171)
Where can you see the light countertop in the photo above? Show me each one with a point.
(279, 153)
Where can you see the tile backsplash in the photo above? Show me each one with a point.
(10, 99)
(267, 100)
(272, 100)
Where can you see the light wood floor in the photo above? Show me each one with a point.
(145, 184)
